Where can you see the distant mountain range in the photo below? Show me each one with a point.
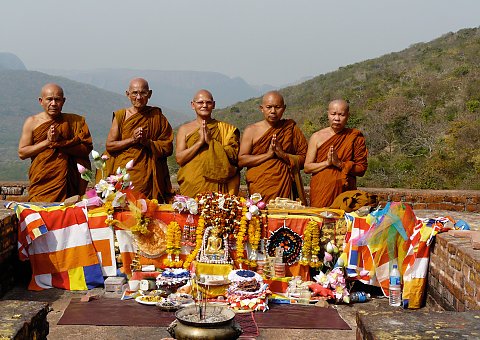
(9, 61)
(173, 89)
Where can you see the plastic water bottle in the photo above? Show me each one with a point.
(395, 288)
(359, 297)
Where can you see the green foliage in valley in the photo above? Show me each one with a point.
(419, 110)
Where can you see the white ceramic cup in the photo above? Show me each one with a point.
(133, 285)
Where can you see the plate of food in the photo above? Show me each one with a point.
(169, 305)
(150, 300)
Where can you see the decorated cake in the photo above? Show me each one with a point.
(172, 279)
(247, 291)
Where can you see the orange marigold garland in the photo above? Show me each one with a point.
(242, 230)
(198, 242)
(174, 237)
(311, 245)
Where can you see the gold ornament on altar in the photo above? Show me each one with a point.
(214, 247)
(214, 243)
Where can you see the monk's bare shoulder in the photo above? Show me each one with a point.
(187, 128)
(34, 121)
(256, 130)
(321, 136)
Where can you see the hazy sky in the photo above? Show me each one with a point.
(263, 41)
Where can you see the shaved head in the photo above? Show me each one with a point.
(51, 87)
(341, 103)
(278, 98)
(203, 93)
(138, 82)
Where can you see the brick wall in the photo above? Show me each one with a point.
(13, 190)
(454, 274)
(453, 200)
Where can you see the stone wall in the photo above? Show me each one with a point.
(453, 200)
(454, 274)
(8, 249)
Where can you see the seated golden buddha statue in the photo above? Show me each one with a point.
(214, 243)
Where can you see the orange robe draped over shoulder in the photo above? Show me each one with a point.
(275, 178)
(149, 175)
(331, 182)
(53, 173)
(214, 168)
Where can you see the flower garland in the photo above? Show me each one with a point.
(254, 234)
(242, 230)
(311, 246)
(174, 237)
(198, 243)
(108, 206)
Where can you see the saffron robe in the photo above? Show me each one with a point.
(53, 172)
(149, 175)
(327, 184)
(214, 168)
(275, 178)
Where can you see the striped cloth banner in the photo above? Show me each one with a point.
(391, 235)
(416, 260)
(103, 241)
(58, 244)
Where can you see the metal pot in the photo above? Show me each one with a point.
(188, 325)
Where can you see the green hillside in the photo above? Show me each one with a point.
(419, 110)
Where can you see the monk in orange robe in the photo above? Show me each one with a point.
(142, 133)
(207, 151)
(336, 155)
(55, 142)
(273, 150)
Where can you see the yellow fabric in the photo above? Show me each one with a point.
(211, 269)
(411, 291)
(214, 167)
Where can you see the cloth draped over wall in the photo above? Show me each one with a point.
(59, 245)
(53, 173)
(275, 178)
(327, 184)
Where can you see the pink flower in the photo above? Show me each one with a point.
(248, 215)
(130, 164)
(81, 169)
(261, 205)
(327, 257)
(105, 157)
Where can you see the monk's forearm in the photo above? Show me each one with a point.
(252, 160)
(185, 156)
(28, 151)
(115, 146)
(313, 168)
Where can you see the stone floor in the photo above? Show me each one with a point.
(59, 300)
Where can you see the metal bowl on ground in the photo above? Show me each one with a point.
(218, 324)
